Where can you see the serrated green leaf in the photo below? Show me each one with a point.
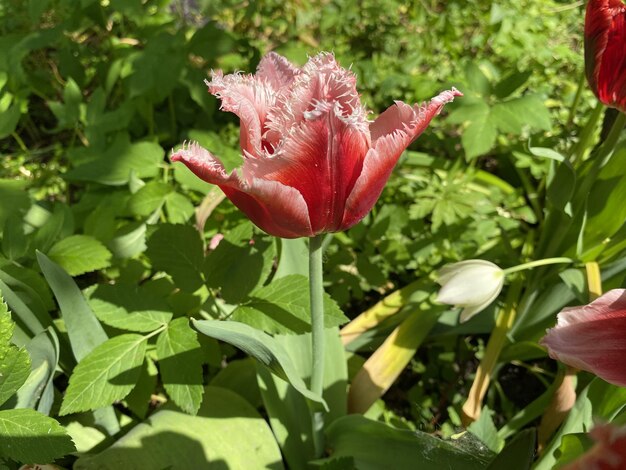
(14, 242)
(283, 307)
(129, 307)
(512, 115)
(140, 399)
(106, 375)
(224, 269)
(129, 240)
(480, 136)
(179, 208)
(180, 363)
(14, 362)
(79, 254)
(30, 437)
(177, 250)
(149, 198)
(261, 346)
(484, 429)
(518, 454)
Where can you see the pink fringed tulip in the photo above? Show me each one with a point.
(593, 337)
(313, 163)
(605, 51)
(608, 453)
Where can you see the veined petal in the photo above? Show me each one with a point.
(276, 70)
(592, 337)
(278, 209)
(249, 98)
(391, 134)
(322, 158)
(605, 56)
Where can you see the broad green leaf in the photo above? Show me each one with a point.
(510, 83)
(572, 446)
(289, 412)
(28, 436)
(518, 454)
(14, 362)
(293, 257)
(469, 112)
(240, 376)
(225, 270)
(480, 136)
(51, 230)
(140, 399)
(9, 119)
(227, 433)
(83, 328)
(259, 345)
(476, 79)
(180, 363)
(149, 198)
(106, 375)
(14, 198)
(129, 307)
(283, 307)
(79, 254)
(129, 240)
(376, 445)
(14, 242)
(115, 165)
(179, 208)
(177, 250)
(513, 115)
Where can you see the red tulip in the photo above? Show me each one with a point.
(593, 337)
(313, 163)
(608, 453)
(605, 51)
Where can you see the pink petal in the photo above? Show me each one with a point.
(249, 98)
(276, 70)
(593, 337)
(321, 158)
(391, 134)
(278, 209)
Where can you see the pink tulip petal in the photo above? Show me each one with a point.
(250, 99)
(593, 337)
(321, 158)
(276, 70)
(391, 134)
(274, 207)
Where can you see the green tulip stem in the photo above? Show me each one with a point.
(317, 334)
(536, 263)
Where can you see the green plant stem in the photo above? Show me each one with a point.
(317, 334)
(536, 263)
(582, 83)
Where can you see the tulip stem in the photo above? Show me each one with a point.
(536, 263)
(317, 335)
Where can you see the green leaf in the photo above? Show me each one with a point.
(83, 328)
(179, 208)
(14, 362)
(375, 445)
(227, 433)
(283, 307)
(140, 399)
(79, 254)
(180, 363)
(512, 115)
(480, 136)
(116, 164)
(510, 83)
(129, 308)
(14, 242)
(129, 240)
(240, 376)
(259, 345)
(9, 119)
(484, 429)
(293, 257)
(106, 375)
(149, 198)
(572, 446)
(14, 198)
(177, 250)
(518, 454)
(30, 437)
(224, 269)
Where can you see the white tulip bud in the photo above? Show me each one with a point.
(472, 284)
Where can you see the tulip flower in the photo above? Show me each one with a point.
(608, 453)
(472, 284)
(605, 57)
(593, 337)
(312, 162)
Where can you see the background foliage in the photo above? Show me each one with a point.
(104, 256)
